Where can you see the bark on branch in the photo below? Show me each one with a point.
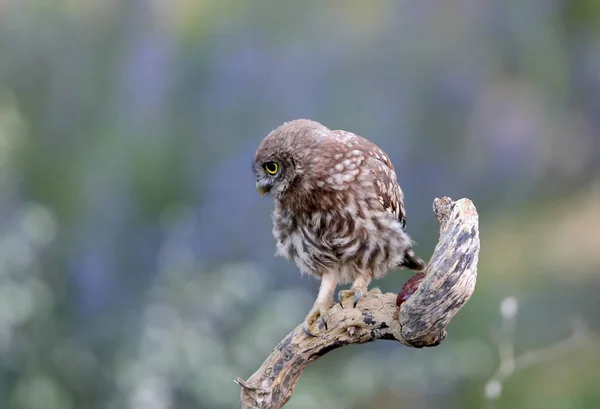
(420, 321)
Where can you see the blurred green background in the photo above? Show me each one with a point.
(136, 258)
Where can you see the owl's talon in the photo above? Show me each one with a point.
(340, 298)
(355, 293)
(317, 314)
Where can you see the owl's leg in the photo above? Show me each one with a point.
(322, 304)
(359, 287)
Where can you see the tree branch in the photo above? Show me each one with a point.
(420, 321)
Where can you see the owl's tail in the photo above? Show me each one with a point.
(412, 261)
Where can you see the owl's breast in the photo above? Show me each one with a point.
(348, 242)
(300, 241)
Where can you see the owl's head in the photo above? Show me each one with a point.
(283, 156)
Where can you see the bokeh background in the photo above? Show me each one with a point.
(136, 258)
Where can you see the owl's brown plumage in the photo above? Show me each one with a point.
(339, 211)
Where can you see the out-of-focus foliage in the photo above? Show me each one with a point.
(136, 266)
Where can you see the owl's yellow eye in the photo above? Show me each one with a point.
(271, 167)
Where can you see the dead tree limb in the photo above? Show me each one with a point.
(420, 321)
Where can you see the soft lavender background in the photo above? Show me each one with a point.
(136, 259)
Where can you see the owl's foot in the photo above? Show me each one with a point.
(354, 293)
(318, 314)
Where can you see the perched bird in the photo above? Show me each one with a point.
(339, 211)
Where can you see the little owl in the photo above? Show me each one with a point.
(339, 211)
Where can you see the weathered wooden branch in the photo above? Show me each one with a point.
(420, 321)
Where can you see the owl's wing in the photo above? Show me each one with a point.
(389, 193)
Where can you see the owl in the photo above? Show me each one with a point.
(339, 211)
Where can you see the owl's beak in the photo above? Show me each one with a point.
(260, 189)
